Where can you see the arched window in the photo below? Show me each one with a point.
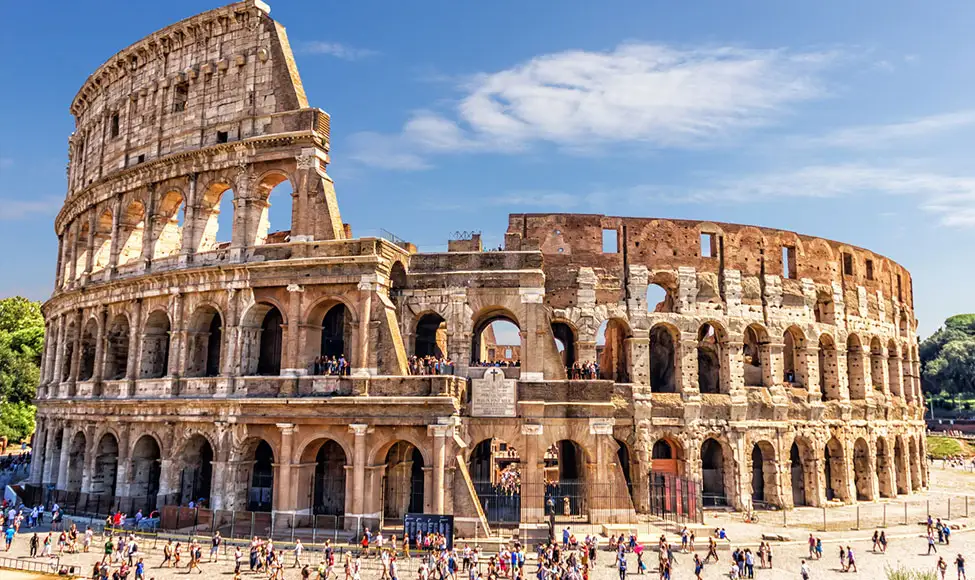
(274, 222)
(167, 227)
(155, 346)
(752, 351)
(117, 349)
(565, 343)
(261, 495)
(335, 332)
(130, 231)
(430, 338)
(81, 249)
(403, 481)
(88, 348)
(146, 469)
(829, 384)
(496, 340)
(105, 474)
(269, 359)
(205, 340)
(195, 467)
(213, 222)
(709, 378)
(495, 468)
(793, 368)
(663, 360)
(611, 350)
(659, 299)
(103, 241)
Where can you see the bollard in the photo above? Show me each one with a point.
(292, 528)
(858, 516)
(905, 513)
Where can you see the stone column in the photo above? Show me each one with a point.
(439, 433)
(685, 369)
(166, 467)
(135, 342)
(814, 388)
(284, 492)
(772, 363)
(59, 269)
(59, 354)
(639, 349)
(842, 377)
(361, 360)
(76, 351)
(359, 469)
(149, 229)
(114, 247)
(62, 467)
(532, 365)
(532, 484)
(100, 345)
(51, 466)
(291, 363)
(177, 341)
(38, 452)
(90, 242)
(191, 205)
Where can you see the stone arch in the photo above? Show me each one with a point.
(69, 339)
(81, 247)
(863, 474)
(323, 474)
(565, 341)
(76, 458)
(397, 278)
(194, 466)
(829, 380)
(262, 338)
(482, 337)
(566, 488)
(664, 340)
(612, 350)
(103, 241)
(877, 362)
(146, 469)
(204, 342)
(793, 356)
(854, 368)
(763, 461)
(659, 298)
(712, 341)
(835, 474)
(167, 228)
(131, 228)
(885, 482)
(104, 474)
(155, 345)
(667, 456)
(802, 458)
(116, 348)
(717, 472)
(901, 473)
(893, 369)
(206, 225)
(430, 336)
(86, 369)
(495, 468)
(270, 188)
(331, 324)
(257, 479)
(754, 354)
(404, 480)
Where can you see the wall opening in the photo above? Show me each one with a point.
(260, 496)
(709, 245)
(430, 338)
(403, 481)
(792, 367)
(116, 349)
(847, 264)
(272, 225)
(713, 471)
(658, 299)
(798, 475)
(496, 341)
(611, 350)
(495, 468)
(76, 462)
(869, 269)
(146, 469)
(204, 343)
(565, 487)
(155, 346)
(753, 356)
(168, 226)
(86, 369)
(105, 473)
(610, 242)
(269, 359)
(708, 360)
(181, 94)
(196, 471)
(789, 262)
(565, 343)
(829, 384)
(854, 368)
(214, 222)
(131, 230)
(329, 487)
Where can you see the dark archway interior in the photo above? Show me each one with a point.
(623, 457)
(197, 472)
(758, 474)
(330, 480)
(146, 468)
(712, 466)
(431, 333)
(333, 332)
(403, 488)
(563, 333)
(269, 359)
(262, 479)
(214, 343)
(798, 476)
(828, 473)
(708, 361)
(662, 357)
(662, 450)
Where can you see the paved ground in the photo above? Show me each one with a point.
(907, 548)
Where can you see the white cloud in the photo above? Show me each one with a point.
(637, 93)
(336, 49)
(15, 209)
(895, 134)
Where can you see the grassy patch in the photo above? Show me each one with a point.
(940, 447)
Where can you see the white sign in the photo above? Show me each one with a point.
(494, 395)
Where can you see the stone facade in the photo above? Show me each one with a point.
(777, 367)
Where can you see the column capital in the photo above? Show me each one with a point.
(295, 288)
(287, 428)
(439, 430)
(360, 429)
(532, 429)
(601, 426)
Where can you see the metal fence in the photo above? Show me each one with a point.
(675, 499)
(870, 515)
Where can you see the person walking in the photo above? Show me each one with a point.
(941, 567)
(712, 550)
(812, 547)
(851, 562)
(931, 546)
(215, 542)
(34, 542)
(698, 567)
(804, 570)
(883, 542)
(622, 568)
(960, 564)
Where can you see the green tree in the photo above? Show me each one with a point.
(948, 356)
(21, 348)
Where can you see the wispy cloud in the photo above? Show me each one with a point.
(336, 49)
(651, 94)
(895, 134)
(15, 209)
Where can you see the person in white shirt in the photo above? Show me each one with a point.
(299, 548)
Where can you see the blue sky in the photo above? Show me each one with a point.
(851, 121)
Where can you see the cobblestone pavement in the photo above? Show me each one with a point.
(907, 547)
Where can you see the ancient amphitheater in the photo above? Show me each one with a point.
(777, 368)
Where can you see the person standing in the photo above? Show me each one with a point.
(238, 559)
(941, 567)
(622, 567)
(804, 570)
(215, 542)
(931, 546)
(960, 564)
(34, 542)
(299, 549)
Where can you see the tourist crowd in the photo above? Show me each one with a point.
(497, 363)
(15, 462)
(583, 370)
(430, 365)
(333, 366)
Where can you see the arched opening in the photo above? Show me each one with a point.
(105, 472)
(663, 360)
(496, 341)
(797, 472)
(155, 346)
(611, 350)
(130, 231)
(397, 279)
(167, 226)
(658, 299)
(854, 368)
(205, 343)
(714, 472)
(669, 493)
(862, 474)
(885, 483)
(146, 467)
(877, 364)
(81, 249)
(900, 467)
(274, 201)
(829, 384)
(565, 343)
(51, 461)
(403, 482)
(792, 360)
(709, 360)
(430, 338)
(834, 466)
(914, 457)
(758, 475)
(116, 349)
(666, 457)
(195, 471)
(893, 369)
(754, 340)
(103, 241)
(76, 462)
(336, 333)
(88, 348)
(70, 336)
(261, 494)
(213, 226)
(565, 480)
(269, 358)
(623, 460)
(495, 468)
(328, 489)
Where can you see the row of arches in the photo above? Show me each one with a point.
(133, 229)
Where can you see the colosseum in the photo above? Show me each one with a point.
(274, 372)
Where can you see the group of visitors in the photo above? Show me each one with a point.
(333, 366)
(430, 365)
(23, 515)
(15, 462)
(497, 363)
(583, 371)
